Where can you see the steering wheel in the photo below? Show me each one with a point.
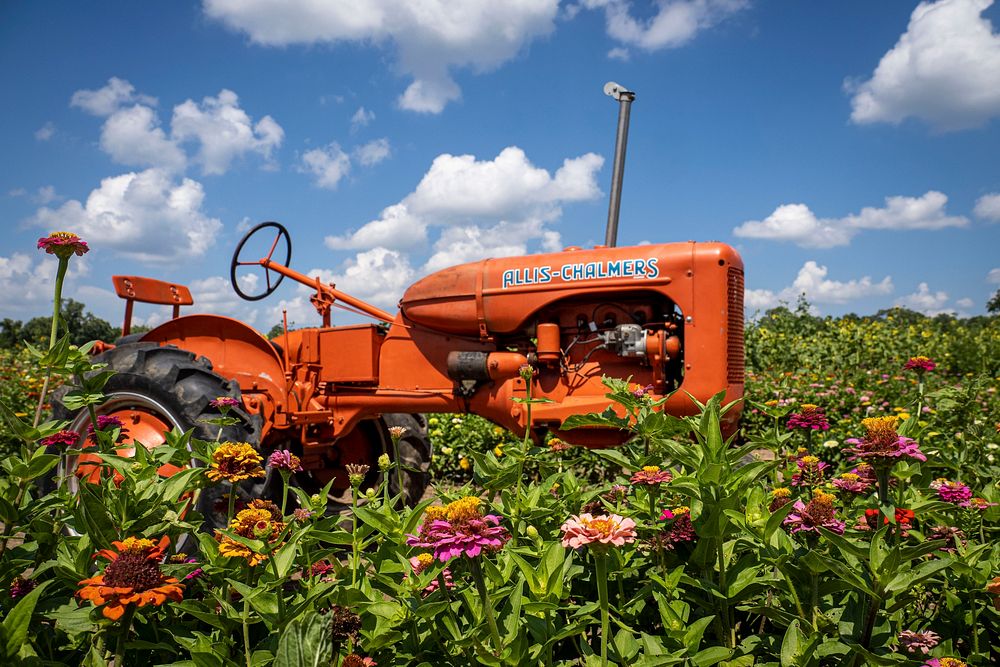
(281, 233)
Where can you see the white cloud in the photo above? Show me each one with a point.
(619, 53)
(993, 276)
(216, 295)
(459, 190)
(430, 38)
(965, 303)
(45, 132)
(675, 23)
(988, 207)
(361, 118)
(26, 282)
(328, 165)
(926, 302)
(944, 69)
(373, 152)
(797, 224)
(132, 136)
(812, 283)
(224, 131)
(105, 101)
(148, 216)
(46, 195)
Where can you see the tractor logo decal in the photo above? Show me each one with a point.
(640, 269)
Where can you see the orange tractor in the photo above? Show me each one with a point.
(667, 316)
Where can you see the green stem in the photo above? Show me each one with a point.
(284, 491)
(354, 536)
(246, 629)
(794, 594)
(399, 469)
(21, 488)
(126, 628)
(280, 590)
(975, 628)
(477, 575)
(814, 600)
(730, 632)
(60, 276)
(232, 504)
(601, 571)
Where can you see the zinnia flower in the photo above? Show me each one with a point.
(301, 514)
(235, 462)
(601, 531)
(993, 588)
(881, 444)
(952, 492)
(780, 497)
(459, 528)
(19, 587)
(64, 438)
(63, 244)
(224, 402)
(651, 476)
(681, 530)
(556, 445)
(850, 482)
(919, 364)
(257, 523)
(809, 517)
(106, 423)
(811, 418)
(397, 432)
(355, 660)
(944, 662)
(980, 504)
(641, 392)
(949, 534)
(132, 577)
(282, 459)
(918, 641)
(811, 472)
(421, 562)
(904, 519)
(344, 625)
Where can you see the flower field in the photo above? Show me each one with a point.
(853, 521)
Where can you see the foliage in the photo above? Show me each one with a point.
(84, 326)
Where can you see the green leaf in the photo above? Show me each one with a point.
(15, 626)
(305, 642)
(711, 656)
(172, 487)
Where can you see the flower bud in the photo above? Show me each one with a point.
(383, 462)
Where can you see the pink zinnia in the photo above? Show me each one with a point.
(64, 438)
(681, 530)
(602, 531)
(282, 459)
(811, 418)
(63, 244)
(850, 482)
(882, 444)
(819, 512)
(811, 472)
(651, 476)
(640, 392)
(918, 641)
(919, 364)
(107, 423)
(224, 402)
(952, 492)
(459, 528)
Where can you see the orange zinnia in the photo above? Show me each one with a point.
(132, 577)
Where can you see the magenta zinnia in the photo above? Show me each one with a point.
(224, 402)
(459, 528)
(952, 492)
(918, 641)
(850, 482)
(920, 364)
(811, 472)
(604, 530)
(63, 244)
(811, 516)
(282, 459)
(810, 418)
(64, 438)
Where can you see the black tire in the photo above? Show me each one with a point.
(414, 452)
(176, 386)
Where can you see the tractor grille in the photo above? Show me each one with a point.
(734, 346)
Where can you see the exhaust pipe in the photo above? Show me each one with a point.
(625, 98)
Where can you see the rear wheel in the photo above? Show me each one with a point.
(154, 390)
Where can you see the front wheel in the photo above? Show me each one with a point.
(156, 389)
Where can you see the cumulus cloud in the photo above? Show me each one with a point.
(114, 95)
(797, 224)
(26, 281)
(988, 207)
(373, 152)
(148, 215)
(361, 118)
(218, 128)
(328, 165)
(675, 23)
(132, 136)
(944, 69)
(224, 131)
(459, 189)
(430, 39)
(812, 283)
(45, 132)
(925, 301)
(993, 276)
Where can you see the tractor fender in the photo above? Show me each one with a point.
(236, 351)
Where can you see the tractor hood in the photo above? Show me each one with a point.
(498, 296)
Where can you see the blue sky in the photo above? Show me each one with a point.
(847, 150)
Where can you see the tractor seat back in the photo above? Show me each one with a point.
(149, 290)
